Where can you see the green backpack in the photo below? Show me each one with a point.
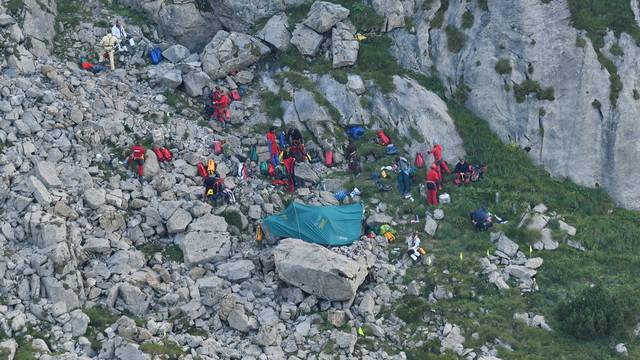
(253, 153)
(264, 168)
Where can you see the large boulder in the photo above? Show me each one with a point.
(179, 221)
(204, 247)
(393, 12)
(47, 173)
(151, 166)
(344, 46)
(195, 81)
(411, 106)
(306, 40)
(231, 51)
(176, 53)
(317, 270)
(276, 32)
(324, 15)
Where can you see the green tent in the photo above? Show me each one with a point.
(325, 225)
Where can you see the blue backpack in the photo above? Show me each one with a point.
(391, 149)
(341, 195)
(355, 132)
(282, 140)
(155, 55)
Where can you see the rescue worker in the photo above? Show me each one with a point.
(221, 102)
(273, 145)
(118, 31)
(137, 158)
(436, 151)
(213, 188)
(403, 169)
(294, 137)
(433, 178)
(290, 166)
(109, 43)
(463, 172)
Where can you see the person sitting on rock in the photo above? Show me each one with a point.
(463, 172)
(481, 219)
(413, 245)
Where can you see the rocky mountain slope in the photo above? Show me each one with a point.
(539, 81)
(96, 263)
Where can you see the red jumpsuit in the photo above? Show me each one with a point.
(273, 147)
(290, 165)
(221, 107)
(437, 157)
(432, 193)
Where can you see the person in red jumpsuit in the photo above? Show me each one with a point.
(272, 141)
(221, 102)
(433, 178)
(290, 164)
(440, 163)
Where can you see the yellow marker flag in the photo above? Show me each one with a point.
(461, 258)
(429, 261)
(488, 253)
(393, 268)
(360, 331)
(530, 250)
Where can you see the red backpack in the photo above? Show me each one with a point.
(217, 147)
(202, 171)
(167, 154)
(328, 158)
(235, 95)
(420, 160)
(137, 152)
(159, 154)
(271, 170)
(383, 139)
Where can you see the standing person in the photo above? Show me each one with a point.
(221, 104)
(273, 145)
(118, 31)
(436, 151)
(109, 43)
(352, 157)
(290, 166)
(433, 178)
(403, 168)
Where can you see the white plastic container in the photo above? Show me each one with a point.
(444, 198)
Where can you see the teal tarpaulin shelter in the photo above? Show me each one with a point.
(325, 225)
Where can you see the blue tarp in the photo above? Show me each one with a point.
(325, 225)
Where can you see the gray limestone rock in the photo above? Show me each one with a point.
(317, 270)
(276, 32)
(306, 40)
(324, 15)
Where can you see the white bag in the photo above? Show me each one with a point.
(131, 42)
(444, 198)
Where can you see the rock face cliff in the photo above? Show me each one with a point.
(524, 67)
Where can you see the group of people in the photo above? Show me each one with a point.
(286, 149)
(116, 40)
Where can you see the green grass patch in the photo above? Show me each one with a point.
(170, 252)
(598, 16)
(376, 63)
(483, 5)
(532, 87)
(131, 15)
(616, 50)
(456, 39)
(168, 349)
(272, 103)
(503, 66)
(362, 16)
(233, 218)
(467, 19)
(14, 6)
(438, 18)
(300, 81)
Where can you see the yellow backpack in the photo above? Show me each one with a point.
(211, 167)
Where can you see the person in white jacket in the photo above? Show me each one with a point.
(118, 31)
(413, 245)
